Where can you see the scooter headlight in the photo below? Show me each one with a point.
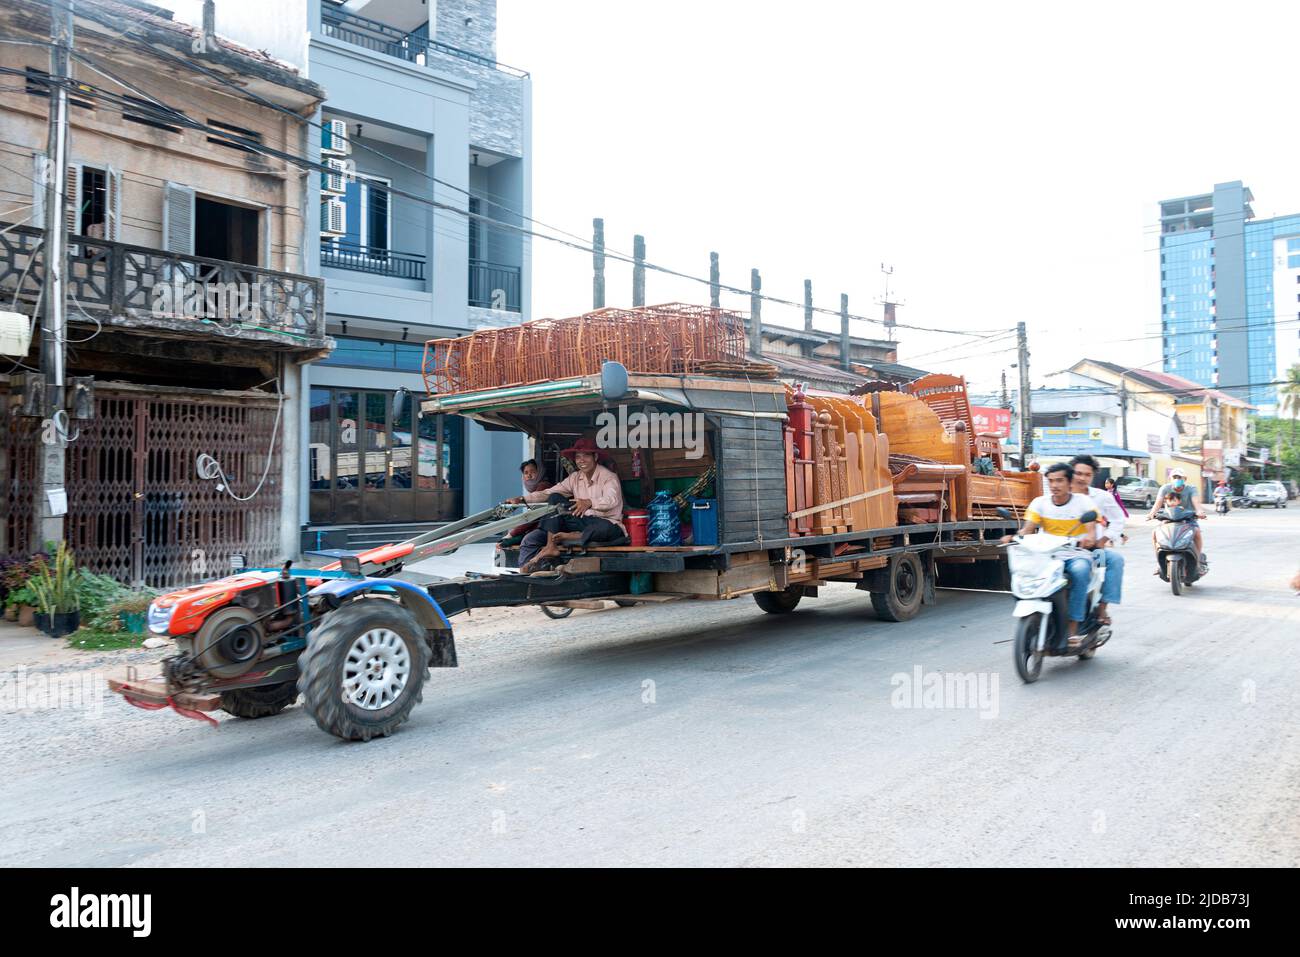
(160, 618)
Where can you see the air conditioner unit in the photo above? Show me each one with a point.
(333, 217)
(334, 138)
(1074, 415)
(15, 334)
(335, 182)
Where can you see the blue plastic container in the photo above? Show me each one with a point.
(704, 521)
(664, 529)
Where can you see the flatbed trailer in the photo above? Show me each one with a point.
(901, 567)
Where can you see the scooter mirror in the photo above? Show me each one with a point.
(1088, 516)
(1003, 513)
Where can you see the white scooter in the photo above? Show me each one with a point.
(1041, 588)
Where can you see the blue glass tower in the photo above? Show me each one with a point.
(1229, 293)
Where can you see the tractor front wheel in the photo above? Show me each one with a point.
(363, 669)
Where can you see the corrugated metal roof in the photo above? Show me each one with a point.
(794, 367)
(1170, 383)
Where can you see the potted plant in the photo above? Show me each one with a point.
(20, 605)
(131, 610)
(57, 598)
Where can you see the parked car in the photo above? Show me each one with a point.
(1266, 493)
(1134, 490)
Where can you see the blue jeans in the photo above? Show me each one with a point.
(1079, 571)
(1113, 584)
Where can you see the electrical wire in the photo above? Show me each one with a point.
(208, 468)
(580, 246)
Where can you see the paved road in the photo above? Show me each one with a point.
(761, 740)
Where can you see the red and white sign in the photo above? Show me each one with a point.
(991, 421)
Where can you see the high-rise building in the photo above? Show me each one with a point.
(1229, 293)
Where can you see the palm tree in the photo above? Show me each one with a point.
(1291, 397)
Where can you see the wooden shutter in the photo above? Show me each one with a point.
(72, 208)
(113, 204)
(178, 219)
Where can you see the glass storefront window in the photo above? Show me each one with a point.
(403, 445)
(369, 465)
(320, 444)
(348, 414)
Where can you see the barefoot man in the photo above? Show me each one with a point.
(595, 516)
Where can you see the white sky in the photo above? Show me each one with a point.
(1005, 158)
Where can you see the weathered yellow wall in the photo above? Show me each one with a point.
(147, 158)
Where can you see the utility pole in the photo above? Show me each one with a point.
(1006, 399)
(846, 349)
(51, 461)
(598, 263)
(1026, 415)
(1123, 410)
(638, 271)
(715, 282)
(755, 314)
(807, 306)
(891, 314)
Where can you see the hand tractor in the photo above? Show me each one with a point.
(354, 641)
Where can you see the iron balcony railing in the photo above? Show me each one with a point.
(379, 262)
(493, 285)
(412, 47)
(136, 286)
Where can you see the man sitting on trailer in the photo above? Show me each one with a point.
(596, 513)
(1112, 516)
(1059, 513)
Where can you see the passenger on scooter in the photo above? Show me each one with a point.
(1187, 496)
(1058, 513)
(1085, 469)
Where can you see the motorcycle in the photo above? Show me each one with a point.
(1222, 501)
(1180, 563)
(1041, 589)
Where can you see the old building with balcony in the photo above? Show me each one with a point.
(192, 299)
(427, 139)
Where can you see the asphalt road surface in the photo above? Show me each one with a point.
(711, 733)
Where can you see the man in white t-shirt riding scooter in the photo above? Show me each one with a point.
(1059, 513)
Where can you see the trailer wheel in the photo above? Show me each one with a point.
(779, 602)
(902, 599)
(556, 612)
(261, 702)
(363, 669)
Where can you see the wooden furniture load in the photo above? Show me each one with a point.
(672, 338)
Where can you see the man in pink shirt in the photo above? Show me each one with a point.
(596, 514)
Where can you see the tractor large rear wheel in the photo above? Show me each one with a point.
(259, 702)
(363, 669)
